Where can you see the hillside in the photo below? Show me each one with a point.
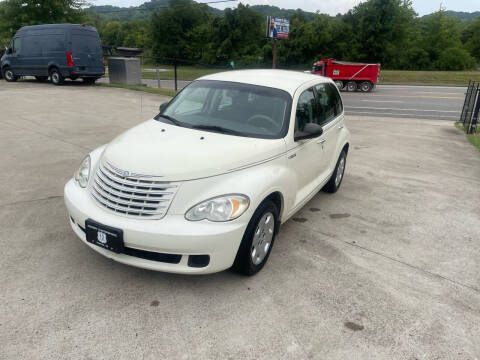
(109, 12)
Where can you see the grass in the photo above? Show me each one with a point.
(473, 138)
(165, 92)
(445, 78)
(387, 77)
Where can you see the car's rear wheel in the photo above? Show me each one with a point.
(351, 86)
(41, 78)
(258, 240)
(337, 177)
(9, 75)
(56, 77)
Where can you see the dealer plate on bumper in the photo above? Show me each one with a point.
(107, 237)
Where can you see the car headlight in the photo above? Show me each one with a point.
(222, 208)
(83, 172)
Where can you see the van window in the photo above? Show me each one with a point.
(329, 104)
(17, 45)
(32, 46)
(85, 43)
(54, 43)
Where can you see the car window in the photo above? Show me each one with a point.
(235, 108)
(17, 45)
(306, 112)
(329, 104)
(194, 103)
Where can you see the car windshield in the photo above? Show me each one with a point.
(231, 108)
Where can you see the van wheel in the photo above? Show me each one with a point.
(336, 180)
(89, 80)
(41, 78)
(258, 240)
(56, 77)
(9, 75)
(366, 86)
(351, 86)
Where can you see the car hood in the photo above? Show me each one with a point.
(177, 153)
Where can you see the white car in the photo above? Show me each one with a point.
(205, 185)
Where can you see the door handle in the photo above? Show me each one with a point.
(340, 127)
(321, 141)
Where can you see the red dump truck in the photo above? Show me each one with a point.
(348, 75)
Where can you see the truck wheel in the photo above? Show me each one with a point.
(258, 240)
(351, 86)
(339, 84)
(9, 75)
(56, 77)
(366, 86)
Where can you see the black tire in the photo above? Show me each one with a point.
(41, 78)
(366, 86)
(351, 86)
(334, 183)
(56, 77)
(8, 74)
(243, 263)
(89, 80)
(340, 84)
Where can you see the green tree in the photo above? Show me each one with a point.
(17, 13)
(172, 29)
(473, 38)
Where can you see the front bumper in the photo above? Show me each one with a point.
(170, 235)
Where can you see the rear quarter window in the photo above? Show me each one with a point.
(86, 43)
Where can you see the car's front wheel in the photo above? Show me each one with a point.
(258, 240)
(9, 75)
(337, 177)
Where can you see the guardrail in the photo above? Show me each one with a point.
(471, 108)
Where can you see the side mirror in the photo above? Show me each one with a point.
(310, 131)
(163, 106)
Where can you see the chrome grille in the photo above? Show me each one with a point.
(131, 194)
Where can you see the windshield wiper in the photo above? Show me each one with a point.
(216, 128)
(172, 120)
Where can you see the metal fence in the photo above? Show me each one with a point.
(471, 108)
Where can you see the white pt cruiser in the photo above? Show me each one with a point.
(205, 185)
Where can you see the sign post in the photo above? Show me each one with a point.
(277, 29)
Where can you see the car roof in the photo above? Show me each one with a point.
(286, 80)
(56, 26)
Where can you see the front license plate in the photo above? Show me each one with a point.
(107, 237)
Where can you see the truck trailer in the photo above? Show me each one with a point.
(348, 76)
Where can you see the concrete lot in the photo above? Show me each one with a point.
(386, 268)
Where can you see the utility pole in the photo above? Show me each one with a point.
(274, 64)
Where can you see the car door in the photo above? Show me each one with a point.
(330, 113)
(15, 56)
(304, 156)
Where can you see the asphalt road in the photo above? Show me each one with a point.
(420, 102)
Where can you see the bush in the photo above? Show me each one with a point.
(455, 59)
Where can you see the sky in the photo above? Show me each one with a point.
(332, 7)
